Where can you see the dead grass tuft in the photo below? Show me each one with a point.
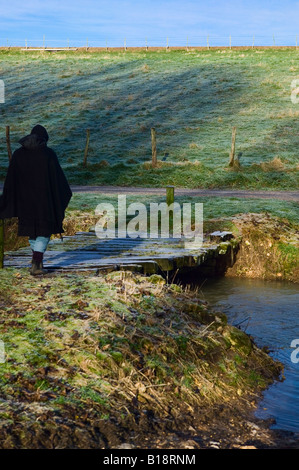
(276, 164)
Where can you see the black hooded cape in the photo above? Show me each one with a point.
(35, 190)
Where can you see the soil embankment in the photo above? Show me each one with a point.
(269, 248)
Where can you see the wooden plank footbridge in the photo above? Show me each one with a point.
(84, 251)
(165, 256)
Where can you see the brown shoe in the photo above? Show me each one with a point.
(37, 268)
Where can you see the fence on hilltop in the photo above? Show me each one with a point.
(168, 42)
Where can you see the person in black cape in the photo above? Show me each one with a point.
(35, 191)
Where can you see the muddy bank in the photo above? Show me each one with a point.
(269, 249)
(220, 426)
(122, 359)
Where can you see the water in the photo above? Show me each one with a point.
(269, 312)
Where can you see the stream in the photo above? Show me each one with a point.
(269, 312)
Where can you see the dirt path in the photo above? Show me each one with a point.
(239, 193)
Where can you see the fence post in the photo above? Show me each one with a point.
(1, 243)
(169, 195)
(8, 143)
(232, 153)
(86, 147)
(154, 147)
(208, 44)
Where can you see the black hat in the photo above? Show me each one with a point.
(41, 132)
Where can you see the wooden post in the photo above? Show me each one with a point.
(253, 42)
(8, 143)
(169, 195)
(1, 243)
(154, 147)
(125, 44)
(208, 44)
(232, 153)
(86, 147)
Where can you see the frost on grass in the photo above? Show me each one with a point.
(193, 101)
(87, 353)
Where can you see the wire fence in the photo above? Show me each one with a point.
(207, 41)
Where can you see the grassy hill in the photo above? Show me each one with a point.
(192, 99)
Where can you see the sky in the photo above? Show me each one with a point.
(93, 22)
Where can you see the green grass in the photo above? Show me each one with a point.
(121, 353)
(213, 207)
(192, 99)
(290, 254)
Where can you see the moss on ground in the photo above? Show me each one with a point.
(89, 359)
